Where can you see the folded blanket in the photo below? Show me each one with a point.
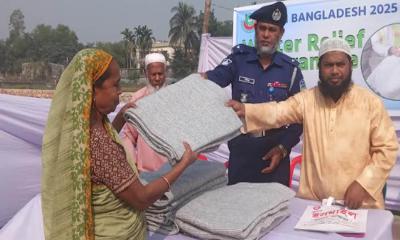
(201, 176)
(190, 110)
(240, 211)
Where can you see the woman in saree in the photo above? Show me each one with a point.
(90, 188)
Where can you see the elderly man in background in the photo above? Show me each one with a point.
(146, 158)
(350, 144)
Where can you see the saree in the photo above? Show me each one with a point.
(72, 207)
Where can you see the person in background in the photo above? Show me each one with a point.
(350, 144)
(90, 186)
(261, 74)
(146, 158)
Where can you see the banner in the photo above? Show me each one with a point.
(371, 27)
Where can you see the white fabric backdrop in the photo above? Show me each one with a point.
(22, 121)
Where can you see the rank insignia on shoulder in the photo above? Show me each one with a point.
(226, 62)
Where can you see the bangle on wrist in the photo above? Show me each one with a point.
(167, 181)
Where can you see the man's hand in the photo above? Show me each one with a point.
(203, 75)
(275, 156)
(354, 196)
(238, 107)
(126, 106)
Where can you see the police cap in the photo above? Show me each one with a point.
(275, 13)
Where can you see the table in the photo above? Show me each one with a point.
(379, 226)
(28, 224)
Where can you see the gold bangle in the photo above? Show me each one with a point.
(166, 180)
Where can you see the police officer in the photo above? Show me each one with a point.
(261, 74)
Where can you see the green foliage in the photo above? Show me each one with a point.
(215, 27)
(144, 40)
(183, 28)
(17, 24)
(129, 39)
(57, 45)
(3, 51)
(133, 74)
(116, 49)
(183, 65)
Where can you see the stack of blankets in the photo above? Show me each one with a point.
(198, 178)
(240, 211)
(190, 110)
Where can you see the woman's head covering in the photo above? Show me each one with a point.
(66, 183)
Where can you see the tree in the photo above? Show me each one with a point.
(116, 49)
(144, 40)
(215, 28)
(130, 44)
(3, 51)
(16, 45)
(57, 45)
(17, 24)
(183, 65)
(183, 28)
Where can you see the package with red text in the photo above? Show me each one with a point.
(333, 219)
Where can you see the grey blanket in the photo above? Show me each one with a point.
(198, 178)
(190, 110)
(240, 211)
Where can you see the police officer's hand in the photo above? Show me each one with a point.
(238, 107)
(275, 156)
(354, 196)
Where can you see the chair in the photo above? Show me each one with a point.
(293, 163)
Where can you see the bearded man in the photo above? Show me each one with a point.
(349, 145)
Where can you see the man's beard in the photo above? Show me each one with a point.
(153, 89)
(265, 50)
(334, 92)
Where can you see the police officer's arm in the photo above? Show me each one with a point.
(292, 134)
(224, 73)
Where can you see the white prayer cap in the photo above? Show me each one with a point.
(154, 57)
(334, 44)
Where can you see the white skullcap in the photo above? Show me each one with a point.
(334, 44)
(154, 57)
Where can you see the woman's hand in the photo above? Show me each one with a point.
(188, 156)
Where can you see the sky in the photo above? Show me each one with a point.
(103, 20)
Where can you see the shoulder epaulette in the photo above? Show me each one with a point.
(288, 59)
(241, 49)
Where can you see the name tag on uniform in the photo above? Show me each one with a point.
(246, 80)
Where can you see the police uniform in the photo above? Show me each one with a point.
(252, 84)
